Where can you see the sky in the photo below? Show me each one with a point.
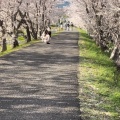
(63, 3)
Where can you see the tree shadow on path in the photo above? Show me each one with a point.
(40, 82)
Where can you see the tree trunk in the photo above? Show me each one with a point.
(28, 34)
(15, 43)
(4, 45)
(35, 36)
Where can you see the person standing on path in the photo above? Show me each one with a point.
(68, 25)
(71, 26)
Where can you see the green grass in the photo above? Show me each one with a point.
(99, 94)
(23, 44)
(10, 49)
(21, 38)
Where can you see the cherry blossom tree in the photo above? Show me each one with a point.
(18, 16)
(101, 18)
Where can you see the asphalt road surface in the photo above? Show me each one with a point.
(40, 82)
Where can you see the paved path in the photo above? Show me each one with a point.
(39, 82)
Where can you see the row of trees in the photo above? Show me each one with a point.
(102, 21)
(26, 17)
(101, 18)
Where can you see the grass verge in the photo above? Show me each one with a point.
(10, 49)
(99, 95)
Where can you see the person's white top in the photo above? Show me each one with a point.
(47, 38)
